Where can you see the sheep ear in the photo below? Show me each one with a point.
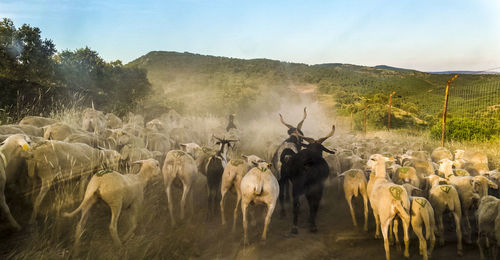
(255, 164)
(140, 162)
(244, 156)
(492, 185)
(183, 145)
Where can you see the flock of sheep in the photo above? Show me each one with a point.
(114, 160)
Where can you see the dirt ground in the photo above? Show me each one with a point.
(200, 238)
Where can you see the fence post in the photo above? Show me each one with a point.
(389, 112)
(364, 120)
(443, 127)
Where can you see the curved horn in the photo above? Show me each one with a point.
(220, 140)
(308, 139)
(321, 140)
(283, 122)
(299, 125)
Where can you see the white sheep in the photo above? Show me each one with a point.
(488, 219)
(466, 188)
(354, 185)
(444, 196)
(260, 187)
(388, 200)
(12, 149)
(422, 214)
(179, 165)
(119, 192)
(231, 180)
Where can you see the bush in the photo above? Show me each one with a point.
(466, 129)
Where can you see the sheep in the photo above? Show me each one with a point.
(14, 147)
(93, 120)
(475, 163)
(119, 192)
(130, 154)
(59, 131)
(444, 196)
(37, 121)
(422, 214)
(441, 153)
(354, 184)
(308, 171)
(488, 222)
(467, 193)
(10, 130)
(214, 170)
(260, 187)
(29, 130)
(407, 175)
(231, 180)
(55, 159)
(483, 184)
(388, 200)
(112, 121)
(179, 165)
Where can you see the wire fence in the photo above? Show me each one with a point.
(476, 104)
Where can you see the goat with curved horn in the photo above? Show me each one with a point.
(299, 125)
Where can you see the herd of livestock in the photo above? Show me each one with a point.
(114, 160)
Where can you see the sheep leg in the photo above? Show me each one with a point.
(406, 239)
(395, 227)
(191, 203)
(5, 207)
(441, 229)
(422, 244)
(377, 224)
(185, 192)
(468, 227)
(83, 220)
(244, 206)
(385, 230)
(457, 216)
(168, 184)
(349, 202)
(365, 204)
(270, 210)
(132, 221)
(223, 196)
(235, 214)
(36, 206)
(116, 208)
(481, 243)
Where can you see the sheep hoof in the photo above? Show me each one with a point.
(295, 230)
(460, 253)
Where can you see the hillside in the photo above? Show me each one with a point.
(229, 84)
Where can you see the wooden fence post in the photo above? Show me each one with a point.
(445, 107)
(389, 112)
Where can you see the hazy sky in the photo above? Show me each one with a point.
(428, 35)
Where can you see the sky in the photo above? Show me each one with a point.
(427, 35)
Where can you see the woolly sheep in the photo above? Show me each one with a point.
(119, 192)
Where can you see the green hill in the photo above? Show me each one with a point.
(229, 84)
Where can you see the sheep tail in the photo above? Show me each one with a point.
(257, 190)
(427, 222)
(91, 190)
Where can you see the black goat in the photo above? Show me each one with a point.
(307, 170)
(214, 169)
(292, 143)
